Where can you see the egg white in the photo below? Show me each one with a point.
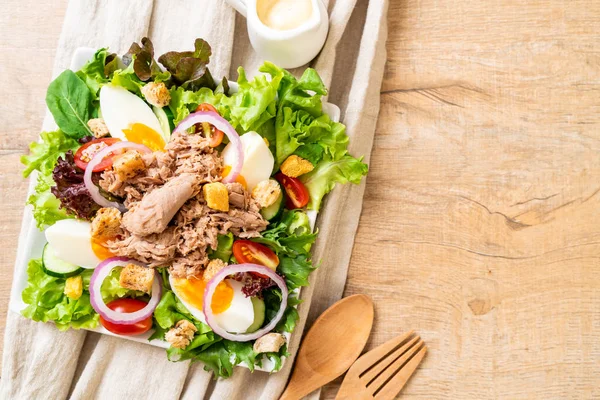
(120, 109)
(258, 159)
(236, 319)
(71, 240)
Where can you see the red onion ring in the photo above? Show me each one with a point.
(224, 126)
(209, 291)
(98, 157)
(100, 273)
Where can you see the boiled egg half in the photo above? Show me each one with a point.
(258, 160)
(233, 311)
(128, 117)
(72, 242)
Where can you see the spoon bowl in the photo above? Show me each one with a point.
(332, 344)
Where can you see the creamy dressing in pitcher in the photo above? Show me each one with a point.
(284, 14)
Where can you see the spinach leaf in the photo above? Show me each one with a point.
(70, 102)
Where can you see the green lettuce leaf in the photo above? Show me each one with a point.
(43, 155)
(312, 152)
(224, 248)
(324, 177)
(217, 354)
(170, 310)
(70, 101)
(46, 301)
(272, 299)
(277, 358)
(46, 207)
(254, 103)
(216, 358)
(296, 270)
(302, 94)
(185, 101)
(290, 236)
(303, 129)
(93, 73)
(111, 289)
(128, 79)
(291, 316)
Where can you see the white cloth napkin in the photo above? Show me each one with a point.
(42, 363)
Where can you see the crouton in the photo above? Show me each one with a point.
(294, 166)
(74, 287)
(216, 196)
(266, 192)
(134, 277)
(212, 268)
(181, 334)
(107, 223)
(129, 165)
(98, 127)
(156, 94)
(270, 343)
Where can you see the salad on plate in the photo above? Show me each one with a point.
(180, 208)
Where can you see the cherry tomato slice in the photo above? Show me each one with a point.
(297, 194)
(86, 152)
(216, 136)
(126, 305)
(246, 251)
(207, 107)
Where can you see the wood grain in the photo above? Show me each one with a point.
(480, 227)
(323, 356)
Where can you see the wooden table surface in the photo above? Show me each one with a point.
(480, 227)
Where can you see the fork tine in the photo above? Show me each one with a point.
(391, 388)
(371, 357)
(408, 350)
(383, 364)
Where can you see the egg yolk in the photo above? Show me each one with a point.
(143, 134)
(240, 179)
(192, 292)
(100, 250)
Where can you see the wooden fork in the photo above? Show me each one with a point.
(381, 373)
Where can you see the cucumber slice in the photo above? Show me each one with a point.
(274, 210)
(56, 267)
(259, 315)
(163, 120)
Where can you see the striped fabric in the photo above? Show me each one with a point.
(42, 363)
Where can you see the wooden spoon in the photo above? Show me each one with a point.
(332, 344)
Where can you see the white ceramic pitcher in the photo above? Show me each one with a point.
(287, 48)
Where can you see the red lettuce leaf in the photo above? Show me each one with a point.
(74, 197)
(144, 65)
(188, 68)
(253, 285)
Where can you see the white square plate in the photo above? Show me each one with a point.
(32, 240)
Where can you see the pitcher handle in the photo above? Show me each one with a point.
(239, 5)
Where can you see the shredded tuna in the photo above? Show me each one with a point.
(192, 154)
(186, 242)
(238, 197)
(156, 250)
